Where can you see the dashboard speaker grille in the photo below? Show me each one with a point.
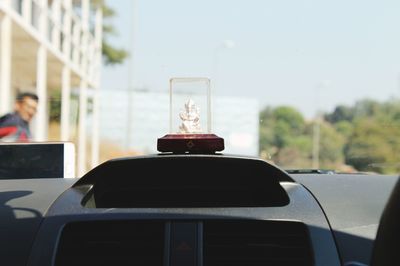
(111, 243)
(256, 243)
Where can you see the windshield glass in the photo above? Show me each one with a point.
(302, 84)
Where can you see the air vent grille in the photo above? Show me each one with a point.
(111, 243)
(256, 243)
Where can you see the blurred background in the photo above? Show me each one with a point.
(303, 84)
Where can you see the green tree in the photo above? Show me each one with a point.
(373, 147)
(111, 54)
(361, 109)
(331, 150)
(288, 139)
(55, 105)
(345, 128)
(279, 125)
(370, 129)
(366, 108)
(291, 117)
(341, 113)
(282, 136)
(364, 135)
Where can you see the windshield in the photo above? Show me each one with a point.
(302, 84)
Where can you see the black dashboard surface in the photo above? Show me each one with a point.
(23, 204)
(353, 205)
(33, 213)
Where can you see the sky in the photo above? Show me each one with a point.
(310, 54)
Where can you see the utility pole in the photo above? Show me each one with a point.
(316, 142)
(317, 125)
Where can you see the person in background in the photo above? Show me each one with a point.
(15, 126)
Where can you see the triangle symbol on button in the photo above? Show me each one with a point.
(183, 246)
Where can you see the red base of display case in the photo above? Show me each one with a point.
(192, 143)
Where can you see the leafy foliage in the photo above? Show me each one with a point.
(55, 105)
(341, 113)
(364, 136)
(282, 138)
(331, 146)
(111, 54)
(374, 146)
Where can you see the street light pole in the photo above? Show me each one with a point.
(226, 44)
(131, 69)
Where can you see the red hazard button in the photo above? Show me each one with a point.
(183, 246)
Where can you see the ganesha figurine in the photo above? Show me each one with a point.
(190, 119)
(190, 125)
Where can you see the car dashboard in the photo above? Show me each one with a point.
(192, 209)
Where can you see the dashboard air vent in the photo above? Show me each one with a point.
(111, 243)
(243, 243)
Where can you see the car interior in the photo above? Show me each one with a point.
(199, 133)
(199, 209)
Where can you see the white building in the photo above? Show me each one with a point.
(52, 45)
(236, 119)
